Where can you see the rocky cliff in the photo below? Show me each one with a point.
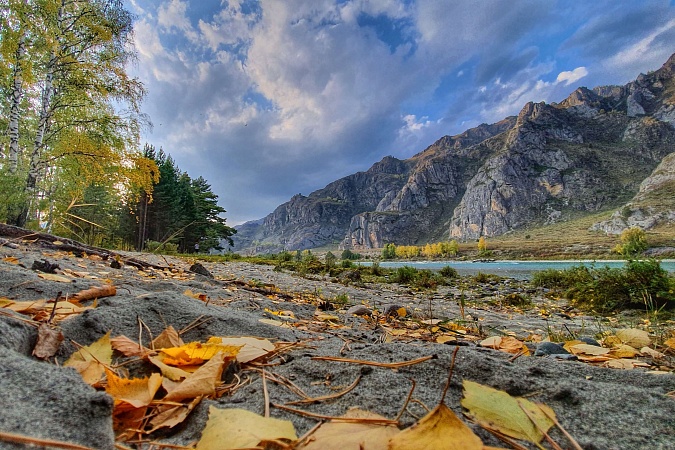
(553, 162)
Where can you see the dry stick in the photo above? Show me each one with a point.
(56, 301)
(374, 363)
(504, 438)
(574, 443)
(326, 397)
(18, 316)
(336, 419)
(285, 382)
(266, 395)
(152, 338)
(21, 439)
(407, 400)
(309, 433)
(447, 383)
(550, 440)
(201, 320)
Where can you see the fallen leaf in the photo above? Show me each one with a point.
(128, 347)
(172, 373)
(335, 435)
(651, 352)
(170, 416)
(55, 277)
(587, 349)
(90, 361)
(168, 338)
(276, 323)
(634, 337)
(95, 292)
(624, 364)
(440, 429)
(201, 383)
(497, 410)
(250, 347)
(133, 392)
(11, 260)
(623, 351)
(670, 343)
(239, 428)
(506, 344)
(196, 353)
(445, 338)
(48, 342)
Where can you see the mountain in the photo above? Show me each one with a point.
(551, 163)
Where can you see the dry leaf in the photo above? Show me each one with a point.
(168, 338)
(11, 259)
(95, 292)
(134, 392)
(651, 352)
(55, 277)
(445, 338)
(48, 342)
(128, 347)
(506, 344)
(251, 347)
(172, 373)
(497, 410)
(587, 349)
(239, 428)
(170, 416)
(634, 337)
(201, 383)
(276, 323)
(90, 361)
(623, 351)
(440, 429)
(352, 436)
(624, 364)
(670, 343)
(196, 353)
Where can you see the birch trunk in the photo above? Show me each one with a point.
(17, 93)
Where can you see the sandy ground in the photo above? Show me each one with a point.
(602, 408)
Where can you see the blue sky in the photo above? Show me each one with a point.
(266, 99)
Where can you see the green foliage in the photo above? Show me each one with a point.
(448, 272)
(481, 277)
(404, 275)
(330, 260)
(165, 248)
(350, 255)
(376, 270)
(633, 242)
(346, 264)
(389, 251)
(637, 284)
(307, 256)
(341, 299)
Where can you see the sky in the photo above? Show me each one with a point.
(266, 99)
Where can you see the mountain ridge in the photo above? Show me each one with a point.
(549, 163)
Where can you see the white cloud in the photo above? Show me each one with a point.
(172, 16)
(570, 77)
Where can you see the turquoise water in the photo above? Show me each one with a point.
(514, 269)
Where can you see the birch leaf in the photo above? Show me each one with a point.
(497, 410)
(250, 347)
(202, 382)
(137, 392)
(167, 339)
(239, 428)
(49, 341)
(634, 337)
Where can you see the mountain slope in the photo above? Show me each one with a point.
(550, 163)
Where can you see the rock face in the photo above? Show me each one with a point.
(550, 163)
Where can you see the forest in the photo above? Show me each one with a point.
(71, 160)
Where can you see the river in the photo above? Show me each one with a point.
(514, 269)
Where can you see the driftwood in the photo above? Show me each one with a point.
(70, 245)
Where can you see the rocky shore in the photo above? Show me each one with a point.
(602, 408)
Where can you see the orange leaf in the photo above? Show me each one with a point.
(95, 292)
(135, 392)
(202, 382)
(128, 347)
(167, 339)
(196, 353)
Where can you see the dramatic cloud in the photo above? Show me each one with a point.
(266, 99)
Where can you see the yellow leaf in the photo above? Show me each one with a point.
(239, 428)
(137, 392)
(587, 349)
(55, 277)
(202, 382)
(90, 361)
(624, 363)
(11, 259)
(670, 342)
(445, 338)
(651, 352)
(506, 344)
(250, 347)
(352, 436)
(276, 323)
(497, 410)
(196, 353)
(402, 312)
(634, 337)
(623, 351)
(440, 429)
(610, 341)
(172, 373)
(326, 317)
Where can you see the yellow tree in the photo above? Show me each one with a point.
(482, 246)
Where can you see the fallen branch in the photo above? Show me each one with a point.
(326, 397)
(21, 439)
(95, 292)
(395, 365)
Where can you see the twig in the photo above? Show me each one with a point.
(336, 419)
(56, 301)
(395, 365)
(309, 433)
(574, 443)
(553, 443)
(195, 323)
(326, 397)
(452, 367)
(407, 400)
(21, 439)
(504, 438)
(266, 395)
(516, 356)
(285, 382)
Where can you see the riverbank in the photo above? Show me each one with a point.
(296, 310)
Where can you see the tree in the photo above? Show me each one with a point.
(633, 242)
(482, 246)
(389, 251)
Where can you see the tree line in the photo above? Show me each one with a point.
(70, 124)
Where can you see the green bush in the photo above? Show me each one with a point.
(405, 275)
(426, 279)
(346, 264)
(165, 248)
(376, 270)
(448, 272)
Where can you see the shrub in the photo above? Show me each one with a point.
(348, 254)
(346, 264)
(330, 259)
(633, 242)
(448, 272)
(341, 299)
(376, 270)
(426, 279)
(405, 275)
(165, 248)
